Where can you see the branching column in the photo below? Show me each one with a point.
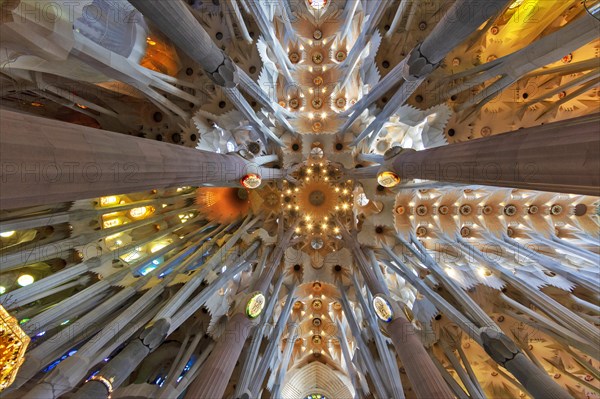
(558, 157)
(505, 352)
(212, 380)
(425, 379)
(463, 18)
(46, 161)
(178, 23)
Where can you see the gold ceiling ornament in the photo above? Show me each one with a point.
(388, 179)
(317, 58)
(251, 181)
(318, 199)
(383, 309)
(13, 344)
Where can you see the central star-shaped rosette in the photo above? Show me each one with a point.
(319, 199)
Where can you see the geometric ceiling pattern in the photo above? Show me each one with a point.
(300, 199)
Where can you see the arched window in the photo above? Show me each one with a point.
(316, 396)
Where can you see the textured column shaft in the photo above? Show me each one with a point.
(537, 383)
(463, 18)
(215, 373)
(558, 157)
(287, 354)
(426, 380)
(274, 339)
(252, 352)
(178, 23)
(47, 161)
(535, 380)
(116, 371)
(68, 337)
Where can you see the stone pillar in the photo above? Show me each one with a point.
(462, 19)
(558, 157)
(505, 352)
(216, 372)
(426, 380)
(46, 161)
(212, 380)
(114, 373)
(178, 23)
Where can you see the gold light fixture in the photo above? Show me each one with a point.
(25, 280)
(110, 200)
(251, 181)
(388, 179)
(13, 344)
(141, 212)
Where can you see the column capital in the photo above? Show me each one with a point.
(154, 334)
(498, 345)
(418, 66)
(226, 74)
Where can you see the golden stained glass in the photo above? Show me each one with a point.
(13, 344)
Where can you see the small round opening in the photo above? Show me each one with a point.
(451, 132)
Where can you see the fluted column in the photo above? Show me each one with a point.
(505, 352)
(559, 157)
(426, 380)
(46, 161)
(287, 354)
(267, 359)
(114, 373)
(463, 18)
(417, 362)
(178, 23)
(215, 373)
(212, 380)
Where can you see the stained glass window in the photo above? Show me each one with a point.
(316, 396)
